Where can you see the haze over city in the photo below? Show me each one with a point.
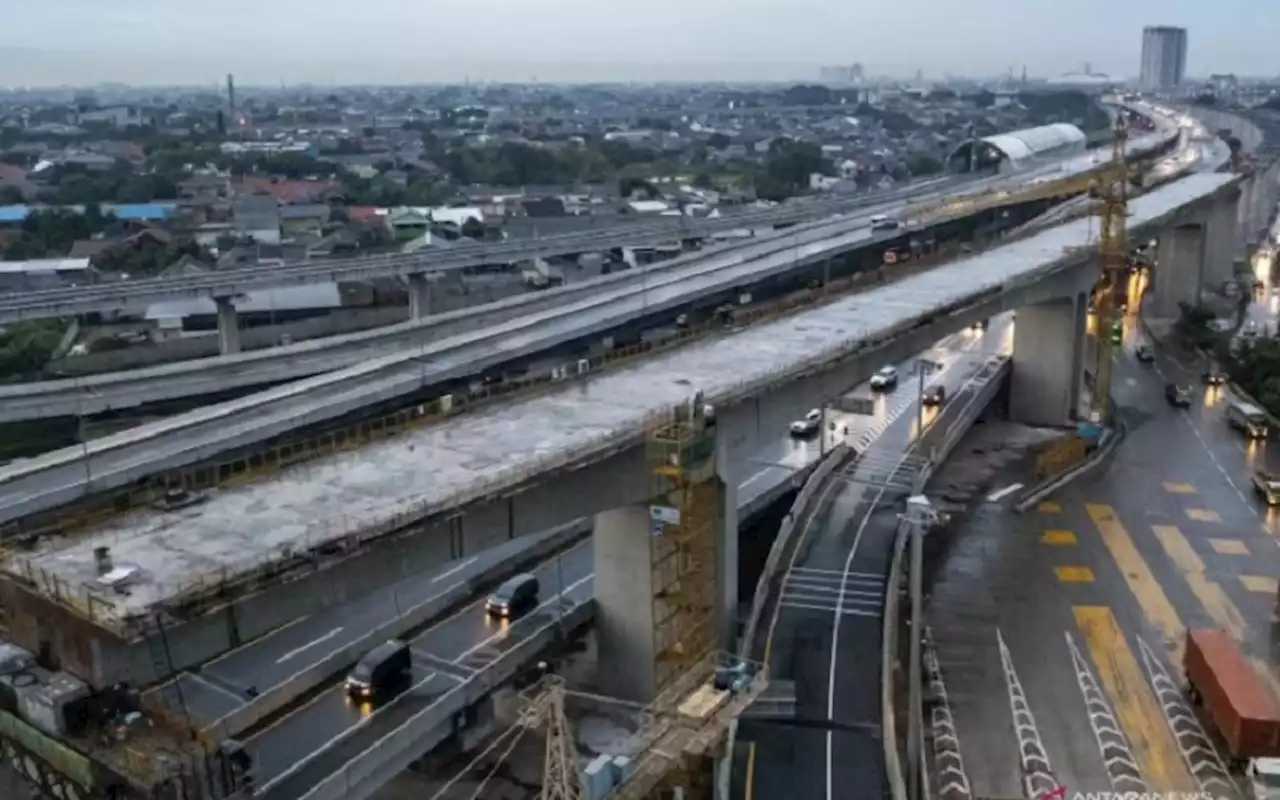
(394, 41)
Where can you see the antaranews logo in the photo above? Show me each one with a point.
(1061, 793)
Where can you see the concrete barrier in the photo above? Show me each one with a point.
(277, 697)
(374, 765)
(1105, 450)
(888, 658)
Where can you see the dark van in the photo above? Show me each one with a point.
(382, 668)
(518, 594)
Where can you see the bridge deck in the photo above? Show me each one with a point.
(446, 465)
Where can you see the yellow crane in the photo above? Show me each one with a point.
(1113, 258)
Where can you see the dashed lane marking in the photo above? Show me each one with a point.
(1203, 515)
(1198, 752)
(1229, 547)
(951, 778)
(1037, 772)
(1073, 574)
(1173, 487)
(1136, 708)
(1049, 507)
(1259, 583)
(1113, 746)
(1058, 538)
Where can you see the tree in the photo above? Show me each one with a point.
(26, 346)
(473, 229)
(787, 169)
(923, 164)
(49, 233)
(718, 141)
(11, 195)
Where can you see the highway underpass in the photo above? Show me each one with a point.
(301, 750)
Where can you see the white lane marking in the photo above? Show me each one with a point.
(455, 570)
(837, 573)
(1225, 475)
(835, 631)
(502, 634)
(304, 648)
(842, 612)
(994, 497)
(947, 759)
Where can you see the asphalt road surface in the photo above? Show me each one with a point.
(1058, 633)
(824, 633)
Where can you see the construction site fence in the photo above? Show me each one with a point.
(376, 759)
(347, 534)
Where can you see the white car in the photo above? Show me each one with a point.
(808, 424)
(880, 222)
(885, 378)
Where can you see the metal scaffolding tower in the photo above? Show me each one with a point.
(560, 777)
(682, 549)
(1113, 258)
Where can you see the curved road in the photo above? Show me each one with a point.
(824, 630)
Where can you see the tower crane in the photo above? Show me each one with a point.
(1113, 258)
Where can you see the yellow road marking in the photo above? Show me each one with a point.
(1267, 676)
(1146, 589)
(1203, 515)
(1058, 538)
(1173, 487)
(1215, 601)
(1259, 583)
(1074, 574)
(1136, 708)
(1230, 547)
(1049, 507)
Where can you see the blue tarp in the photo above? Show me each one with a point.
(132, 212)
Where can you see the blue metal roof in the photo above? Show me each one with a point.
(134, 212)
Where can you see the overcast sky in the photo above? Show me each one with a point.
(400, 41)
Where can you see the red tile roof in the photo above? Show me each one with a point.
(362, 213)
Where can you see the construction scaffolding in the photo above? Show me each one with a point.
(682, 549)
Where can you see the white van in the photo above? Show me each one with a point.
(1248, 419)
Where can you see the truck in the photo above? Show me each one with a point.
(1267, 486)
(1222, 681)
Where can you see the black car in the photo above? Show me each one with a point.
(1214, 378)
(1144, 354)
(1178, 395)
(934, 396)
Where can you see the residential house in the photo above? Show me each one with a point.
(257, 217)
(115, 116)
(45, 273)
(303, 218)
(14, 179)
(408, 223)
(289, 192)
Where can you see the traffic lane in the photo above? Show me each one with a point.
(316, 756)
(273, 658)
(470, 627)
(816, 599)
(788, 454)
(330, 713)
(278, 748)
(307, 767)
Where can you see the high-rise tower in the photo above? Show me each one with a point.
(1164, 57)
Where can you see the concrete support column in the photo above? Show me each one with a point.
(1178, 271)
(1048, 355)
(727, 561)
(419, 296)
(228, 326)
(1221, 243)
(624, 603)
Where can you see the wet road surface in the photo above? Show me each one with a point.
(1058, 633)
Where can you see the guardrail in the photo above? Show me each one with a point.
(992, 375)
(274, 698)
(373, 765)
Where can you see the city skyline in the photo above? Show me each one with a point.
(574, 40)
